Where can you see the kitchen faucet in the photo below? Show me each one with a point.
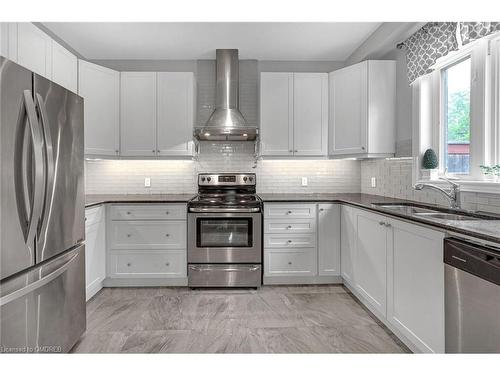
(453, 195)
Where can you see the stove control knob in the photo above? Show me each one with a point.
(203, 179)
(208, 179)
(245, 178)
(250, 179)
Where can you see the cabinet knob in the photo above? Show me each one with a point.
(167, 264)
(290, 263)
(295, 150)
(85, 219)
(153, 151)
(116, 152)
(387, 225)
(166, 212)
(129, 235)
(289, 212)
(362, 147)
(381, 223)
(129, 264)
(128, 212)
(289, 227)
(289, 241)
(290, 151)
(321, 209)
(167, 235)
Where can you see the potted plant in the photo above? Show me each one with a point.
(429, 165)
(492, 172)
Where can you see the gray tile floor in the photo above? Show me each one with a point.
(299, 319)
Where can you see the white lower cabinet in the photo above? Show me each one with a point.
(370, 264)
(301, 243)
(415, 285)
(396, 269)
(95, 250)
(147, 245)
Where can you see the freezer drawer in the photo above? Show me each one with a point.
(43, 310)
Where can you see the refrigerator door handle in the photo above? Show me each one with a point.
(49, 165)
(37, 284)
(31, 219)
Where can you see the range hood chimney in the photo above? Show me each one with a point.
(226, 122)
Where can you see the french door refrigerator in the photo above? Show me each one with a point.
(42, 257)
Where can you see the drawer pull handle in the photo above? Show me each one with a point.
(129, 264)
(290, 263)
(460, 259)
(289, 227)
(167, 235)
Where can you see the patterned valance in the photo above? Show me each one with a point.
(470, 31)
(432, 41)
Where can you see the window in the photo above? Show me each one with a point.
(456, 103)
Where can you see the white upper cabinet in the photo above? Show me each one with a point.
(294, 114)
(310, 114)
(276, 113)
(175, 113)
(100, 88)
(138, 114)
(4, 39)
(328, 239)
(363, 109)
(34, 49)
(64, 67)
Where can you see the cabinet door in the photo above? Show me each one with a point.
(415, 290)
(4, 39)
(34, 49)
(64, 67)
(348, 233)
(276, 113)
(310, 114)
(348, 110)
(138, 114)
(371, 259)
(100, 88)
(95, 251)
(329, 239)
(175, 113)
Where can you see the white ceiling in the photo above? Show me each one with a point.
(179, 41)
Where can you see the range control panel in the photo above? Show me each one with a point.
(226, 179)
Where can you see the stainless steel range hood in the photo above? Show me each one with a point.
(226, 122)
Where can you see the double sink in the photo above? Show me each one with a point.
(432, 213)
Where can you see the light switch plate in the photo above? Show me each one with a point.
(304, 181)
(374, 182)
(147, 181)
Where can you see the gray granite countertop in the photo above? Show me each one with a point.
(97, 199)
(484, 229)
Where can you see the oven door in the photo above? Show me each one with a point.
(224, 237)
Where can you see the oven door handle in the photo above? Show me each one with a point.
(223, 268)
(215, 209)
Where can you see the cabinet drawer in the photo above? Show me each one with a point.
(290, 226)
(148, 235)
(289, 240)
(149, 212)
(290, 262)
(148, 264)
(94, 215)
(292, 211)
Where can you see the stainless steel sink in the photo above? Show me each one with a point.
(431, 213)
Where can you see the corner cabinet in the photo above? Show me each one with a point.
(396, 269)
(157, 113)
(329, 239)
(95, 249)
(294, 114)
(362, 107)
(100, 89)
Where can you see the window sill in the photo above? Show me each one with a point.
(489, 187)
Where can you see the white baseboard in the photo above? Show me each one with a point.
(93, 288)
(138, 282)
(282, 280)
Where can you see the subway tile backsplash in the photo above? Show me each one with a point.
(179, 176)
(394, 179)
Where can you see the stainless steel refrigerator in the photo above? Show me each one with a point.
(42, 257)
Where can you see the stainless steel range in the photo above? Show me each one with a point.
(225, 232)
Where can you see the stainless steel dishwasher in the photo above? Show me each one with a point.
(472, 297)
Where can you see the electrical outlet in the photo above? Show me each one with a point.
(147, 181)
(374, 182)
(304, 181)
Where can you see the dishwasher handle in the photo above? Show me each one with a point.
(481, 261)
